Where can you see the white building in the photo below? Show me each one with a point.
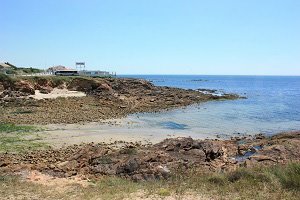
(95, 73)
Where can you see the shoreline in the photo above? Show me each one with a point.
(105, 98)
(138, 161)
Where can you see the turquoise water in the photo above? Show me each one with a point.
(272, 105)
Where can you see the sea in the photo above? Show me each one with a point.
(272, 105)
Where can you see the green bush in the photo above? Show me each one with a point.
(5, 78)
(11, 71)
(30, 70)
(289, 176)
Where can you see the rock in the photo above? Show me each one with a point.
(178, 144)
(260, 137)
(152, 162)
(197, 152)
(4, 163)
(128, 166)
(261, 158)
(242, 149)
(279, 148)
(106, 98)
(62, 164)
(105, 87)
(45, 90)
(212, 150)
(137, 177)
(24, 86)
(70, 173)
(163, 170)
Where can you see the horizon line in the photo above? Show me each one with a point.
(205, 75)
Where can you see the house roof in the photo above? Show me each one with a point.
(57, 68)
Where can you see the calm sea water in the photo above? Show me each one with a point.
(272, 105)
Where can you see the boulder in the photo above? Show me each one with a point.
(261, 158)
(45, 90)
(212, 149)
(24, 86)
(128, 166)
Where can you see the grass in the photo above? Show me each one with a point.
(21, 70)
(19, 139)
(8, 128)
(56, 80)
(6, 79)
(280, 182)
(289, 176)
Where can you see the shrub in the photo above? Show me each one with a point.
(5, 78)
(289, 176)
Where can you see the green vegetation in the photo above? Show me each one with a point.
(29, 70)
(56, 80)
(6, 79)
(18, 139)
(11, 71)
(21, 70)
(289, 176)
(280, 182)
(8, 128)
(260, 183)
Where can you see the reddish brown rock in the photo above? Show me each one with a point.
(24, 86)
(157, 161)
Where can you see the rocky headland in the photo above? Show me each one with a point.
(106, 98)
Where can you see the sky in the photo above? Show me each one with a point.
(215, 37)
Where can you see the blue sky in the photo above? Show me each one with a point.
(245, 37)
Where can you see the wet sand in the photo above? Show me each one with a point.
(58, 135)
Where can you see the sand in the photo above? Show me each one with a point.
(58, 135)
(55, 93)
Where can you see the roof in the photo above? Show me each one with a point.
(57, 68)
(67, 70)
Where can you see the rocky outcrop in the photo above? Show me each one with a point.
(159, 161)
(24, 86)
(106, 98)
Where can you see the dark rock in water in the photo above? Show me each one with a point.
(207, 90)
(199, 80)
